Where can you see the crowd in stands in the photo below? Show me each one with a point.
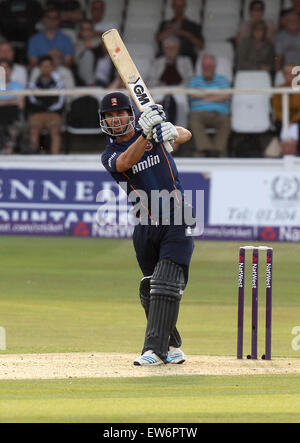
(56, 44)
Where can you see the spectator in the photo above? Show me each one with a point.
(71, 18)
(45, 111)
(52, 37)
(172, 69)
(290, 142)
(10, 111)
(296, 6)
(19, 18)
(19, 72)
(188, 32)
(256, 11)
(256, 52)
(288, 42)
(283, 19)
(210, 110)
(87, 50)
(97, 12)
(65, 74)
(105, 71)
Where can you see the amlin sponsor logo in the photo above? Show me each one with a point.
(152, 160)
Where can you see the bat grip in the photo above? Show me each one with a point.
(168, 147)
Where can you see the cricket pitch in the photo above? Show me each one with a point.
(95, 365)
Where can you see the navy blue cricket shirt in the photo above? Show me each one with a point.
(156, 170)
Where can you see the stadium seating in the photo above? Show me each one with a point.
(142, 21)
(144, 53)
(279, 78)
(143, 64)
(138, 21)
(78, 123)
(114, 11)
(286, 4)
(136, 8)
(251, 113)
(221, 19)
(220, 49)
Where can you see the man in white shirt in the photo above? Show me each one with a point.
(19, 72)
(97, 13)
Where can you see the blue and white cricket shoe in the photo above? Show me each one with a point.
(175, 356)
(149, 358)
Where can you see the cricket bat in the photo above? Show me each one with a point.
(128, 72)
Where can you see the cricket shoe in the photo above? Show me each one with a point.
(175, 356)
(149, 358)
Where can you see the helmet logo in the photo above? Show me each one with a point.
(114, 101)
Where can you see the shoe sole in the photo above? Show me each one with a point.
(177, 361)
(135, 363)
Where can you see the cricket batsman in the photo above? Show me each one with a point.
(135, 154)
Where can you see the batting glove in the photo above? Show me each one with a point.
(151, 117)
(164, 132)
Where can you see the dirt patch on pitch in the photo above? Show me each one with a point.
(94, 365)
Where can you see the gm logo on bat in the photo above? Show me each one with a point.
(138, 89)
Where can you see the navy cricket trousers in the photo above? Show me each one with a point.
(154, 243)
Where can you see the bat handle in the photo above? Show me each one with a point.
(168, 147)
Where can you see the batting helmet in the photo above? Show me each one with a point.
(116, 101)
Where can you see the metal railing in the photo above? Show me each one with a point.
(100, 92)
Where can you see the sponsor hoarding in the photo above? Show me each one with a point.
(242, 206)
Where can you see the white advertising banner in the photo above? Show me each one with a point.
(248, 198)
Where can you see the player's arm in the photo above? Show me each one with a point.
(184, 135)
(151, 117)
(132, 154)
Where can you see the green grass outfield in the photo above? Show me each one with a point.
(71, 295)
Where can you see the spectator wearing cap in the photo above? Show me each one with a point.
(256, 11)
(10, 111)
(45, 111)
(51, 37)
(19, 72)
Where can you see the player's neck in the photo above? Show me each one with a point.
(125, 137)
